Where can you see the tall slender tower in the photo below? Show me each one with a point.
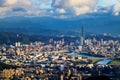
(83, 32)
(82, 38)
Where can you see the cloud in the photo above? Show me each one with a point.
(75, 7)
(73, 3)
(56, 8)
(18, 9)
(61, 11)
(81, 10)
(15, 7)
(116, 9)
(5, 3)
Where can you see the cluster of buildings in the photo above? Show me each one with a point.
(60, 72)
(54, 50)
(53, 60)
(99, 47)
(106, 48)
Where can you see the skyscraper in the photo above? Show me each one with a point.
(82, 38)
(83, 32)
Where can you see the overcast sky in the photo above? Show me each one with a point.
(58, 8)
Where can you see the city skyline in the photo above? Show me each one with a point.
(59, 39)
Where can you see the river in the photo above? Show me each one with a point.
(82, 55)
(105, 61)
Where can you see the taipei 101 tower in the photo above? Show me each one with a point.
(82, 38)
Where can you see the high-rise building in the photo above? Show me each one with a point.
(83, 32)
(82, 38)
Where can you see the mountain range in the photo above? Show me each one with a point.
(93, 23)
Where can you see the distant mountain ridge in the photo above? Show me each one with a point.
(47, 25)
